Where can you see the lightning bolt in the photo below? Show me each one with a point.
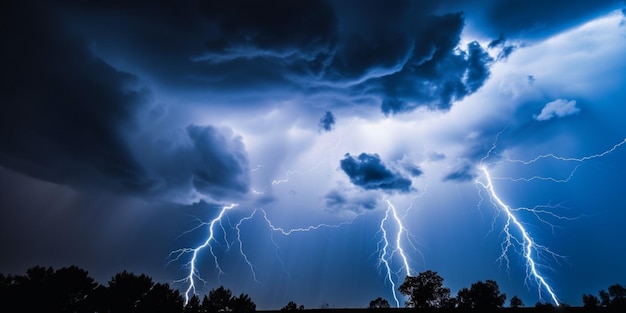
(570, 159)
(288, 232)
(385, 256)
(193, 272)
(529, 247)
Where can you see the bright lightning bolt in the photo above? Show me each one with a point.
(385, 256)
(193, 275)
(560, 158)
(193, 272)
(288, 232)
(530, 247)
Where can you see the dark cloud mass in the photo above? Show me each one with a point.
(60, 98)
(327, 121)
(197, 161)
(399, 54)
(368, 172)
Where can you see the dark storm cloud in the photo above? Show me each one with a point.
(67, 116)
(436, 73)
(477, 70)
(327, 122)
(399, 53)
(64, 112)
(368, 172)
(206, 159)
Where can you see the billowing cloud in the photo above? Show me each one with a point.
(327, 121)
(368, 172)
(198, 162)
(557, 109)
(242, 49)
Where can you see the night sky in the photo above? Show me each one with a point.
(125, 129)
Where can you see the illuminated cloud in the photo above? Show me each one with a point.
(557, 109)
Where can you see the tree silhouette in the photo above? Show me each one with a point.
(218, 300)
(221, 300)
(425, 290)
(614, 298)
(617, 293)
(68, 289)
(242, 304)
(161, 299)
(516, 302)
(126, 290)
(71, 288)
(193, 306)
(379, 303)
(590, 301)
(481, 295)
(292, 306)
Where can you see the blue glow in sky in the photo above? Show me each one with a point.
(352, 136)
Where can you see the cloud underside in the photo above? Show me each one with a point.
(415, 60)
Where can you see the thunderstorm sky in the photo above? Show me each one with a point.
(125, 129)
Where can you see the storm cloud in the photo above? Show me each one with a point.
(368, 172)
(243, 49)
(60, 98)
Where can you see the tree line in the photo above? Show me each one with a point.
(71, 289)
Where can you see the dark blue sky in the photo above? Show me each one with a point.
(125, 129)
